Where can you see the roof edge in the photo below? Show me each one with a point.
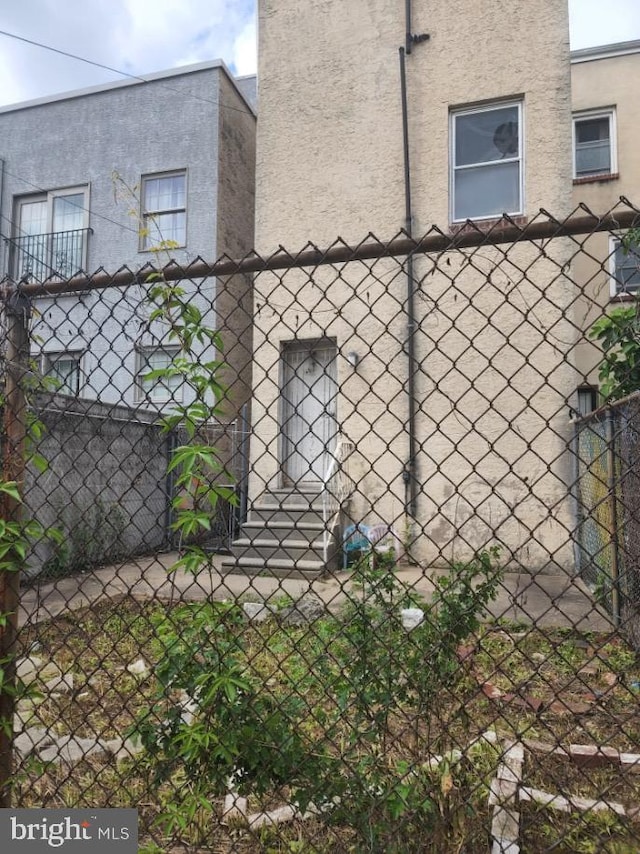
(605, 51)
(178, 71)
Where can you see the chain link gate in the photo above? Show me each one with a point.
(424, 637)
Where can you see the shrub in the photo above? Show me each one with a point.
(334, 734)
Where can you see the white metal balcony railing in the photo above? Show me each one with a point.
(38, 257)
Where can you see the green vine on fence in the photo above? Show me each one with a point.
(618, 333)
(16, 537)
(15, 540)
(195, 463)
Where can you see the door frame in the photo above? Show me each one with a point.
(322, 342)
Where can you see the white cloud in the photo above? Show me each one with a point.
(136, 36)
(142, 36)
(245, 49)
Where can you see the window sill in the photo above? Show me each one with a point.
(625, 296)
(488, 224)
(597, 179)
(155, 250)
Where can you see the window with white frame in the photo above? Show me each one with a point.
(587, 399)
(64, 369)
(50, 232)
(594, 150)
(164, 210)
(624, 262)
(157, 389)
(486, 161)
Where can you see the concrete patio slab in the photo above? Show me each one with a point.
(542, 599)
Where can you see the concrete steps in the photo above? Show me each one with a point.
(283, 536)
(272, 549)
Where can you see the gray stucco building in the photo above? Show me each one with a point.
(94, 179)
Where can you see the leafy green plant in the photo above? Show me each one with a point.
(328, 730)
(380, 681)
(619, 335)
(240, 734)
(195, 464)
(200, 480)
(631, 239)
(15, 539)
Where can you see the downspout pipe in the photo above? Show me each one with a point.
(409, 474)
(408, 36)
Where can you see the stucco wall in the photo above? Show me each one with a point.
(105, 485)
(492, 458)
(130, 130)
(491, 387)
(235, 238)
(602, 83)
(330, 134)
(248, 85)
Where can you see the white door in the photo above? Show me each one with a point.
(309, 427)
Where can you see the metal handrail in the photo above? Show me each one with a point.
(337, 488)
(56, 254)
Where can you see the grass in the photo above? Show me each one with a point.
(576, 833)
(553, 685)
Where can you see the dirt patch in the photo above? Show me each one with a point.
(557, 686)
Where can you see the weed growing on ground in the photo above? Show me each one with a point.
(342, 720)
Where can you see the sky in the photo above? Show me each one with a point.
(142, 36)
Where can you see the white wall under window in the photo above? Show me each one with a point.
(487, 161)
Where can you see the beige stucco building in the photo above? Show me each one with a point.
(605, 85)
(458, 423)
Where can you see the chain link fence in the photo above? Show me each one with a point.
(608, 468)
(321, 551)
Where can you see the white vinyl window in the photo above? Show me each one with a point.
(487, 162)
(624, 266)
(65, 371)
(157, 389)
(587, 399)
(50, 234)
(164, 210)
(594, 148)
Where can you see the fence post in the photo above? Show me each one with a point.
(14, 434)
(611, 487)
(576, 495)
(245, 427)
